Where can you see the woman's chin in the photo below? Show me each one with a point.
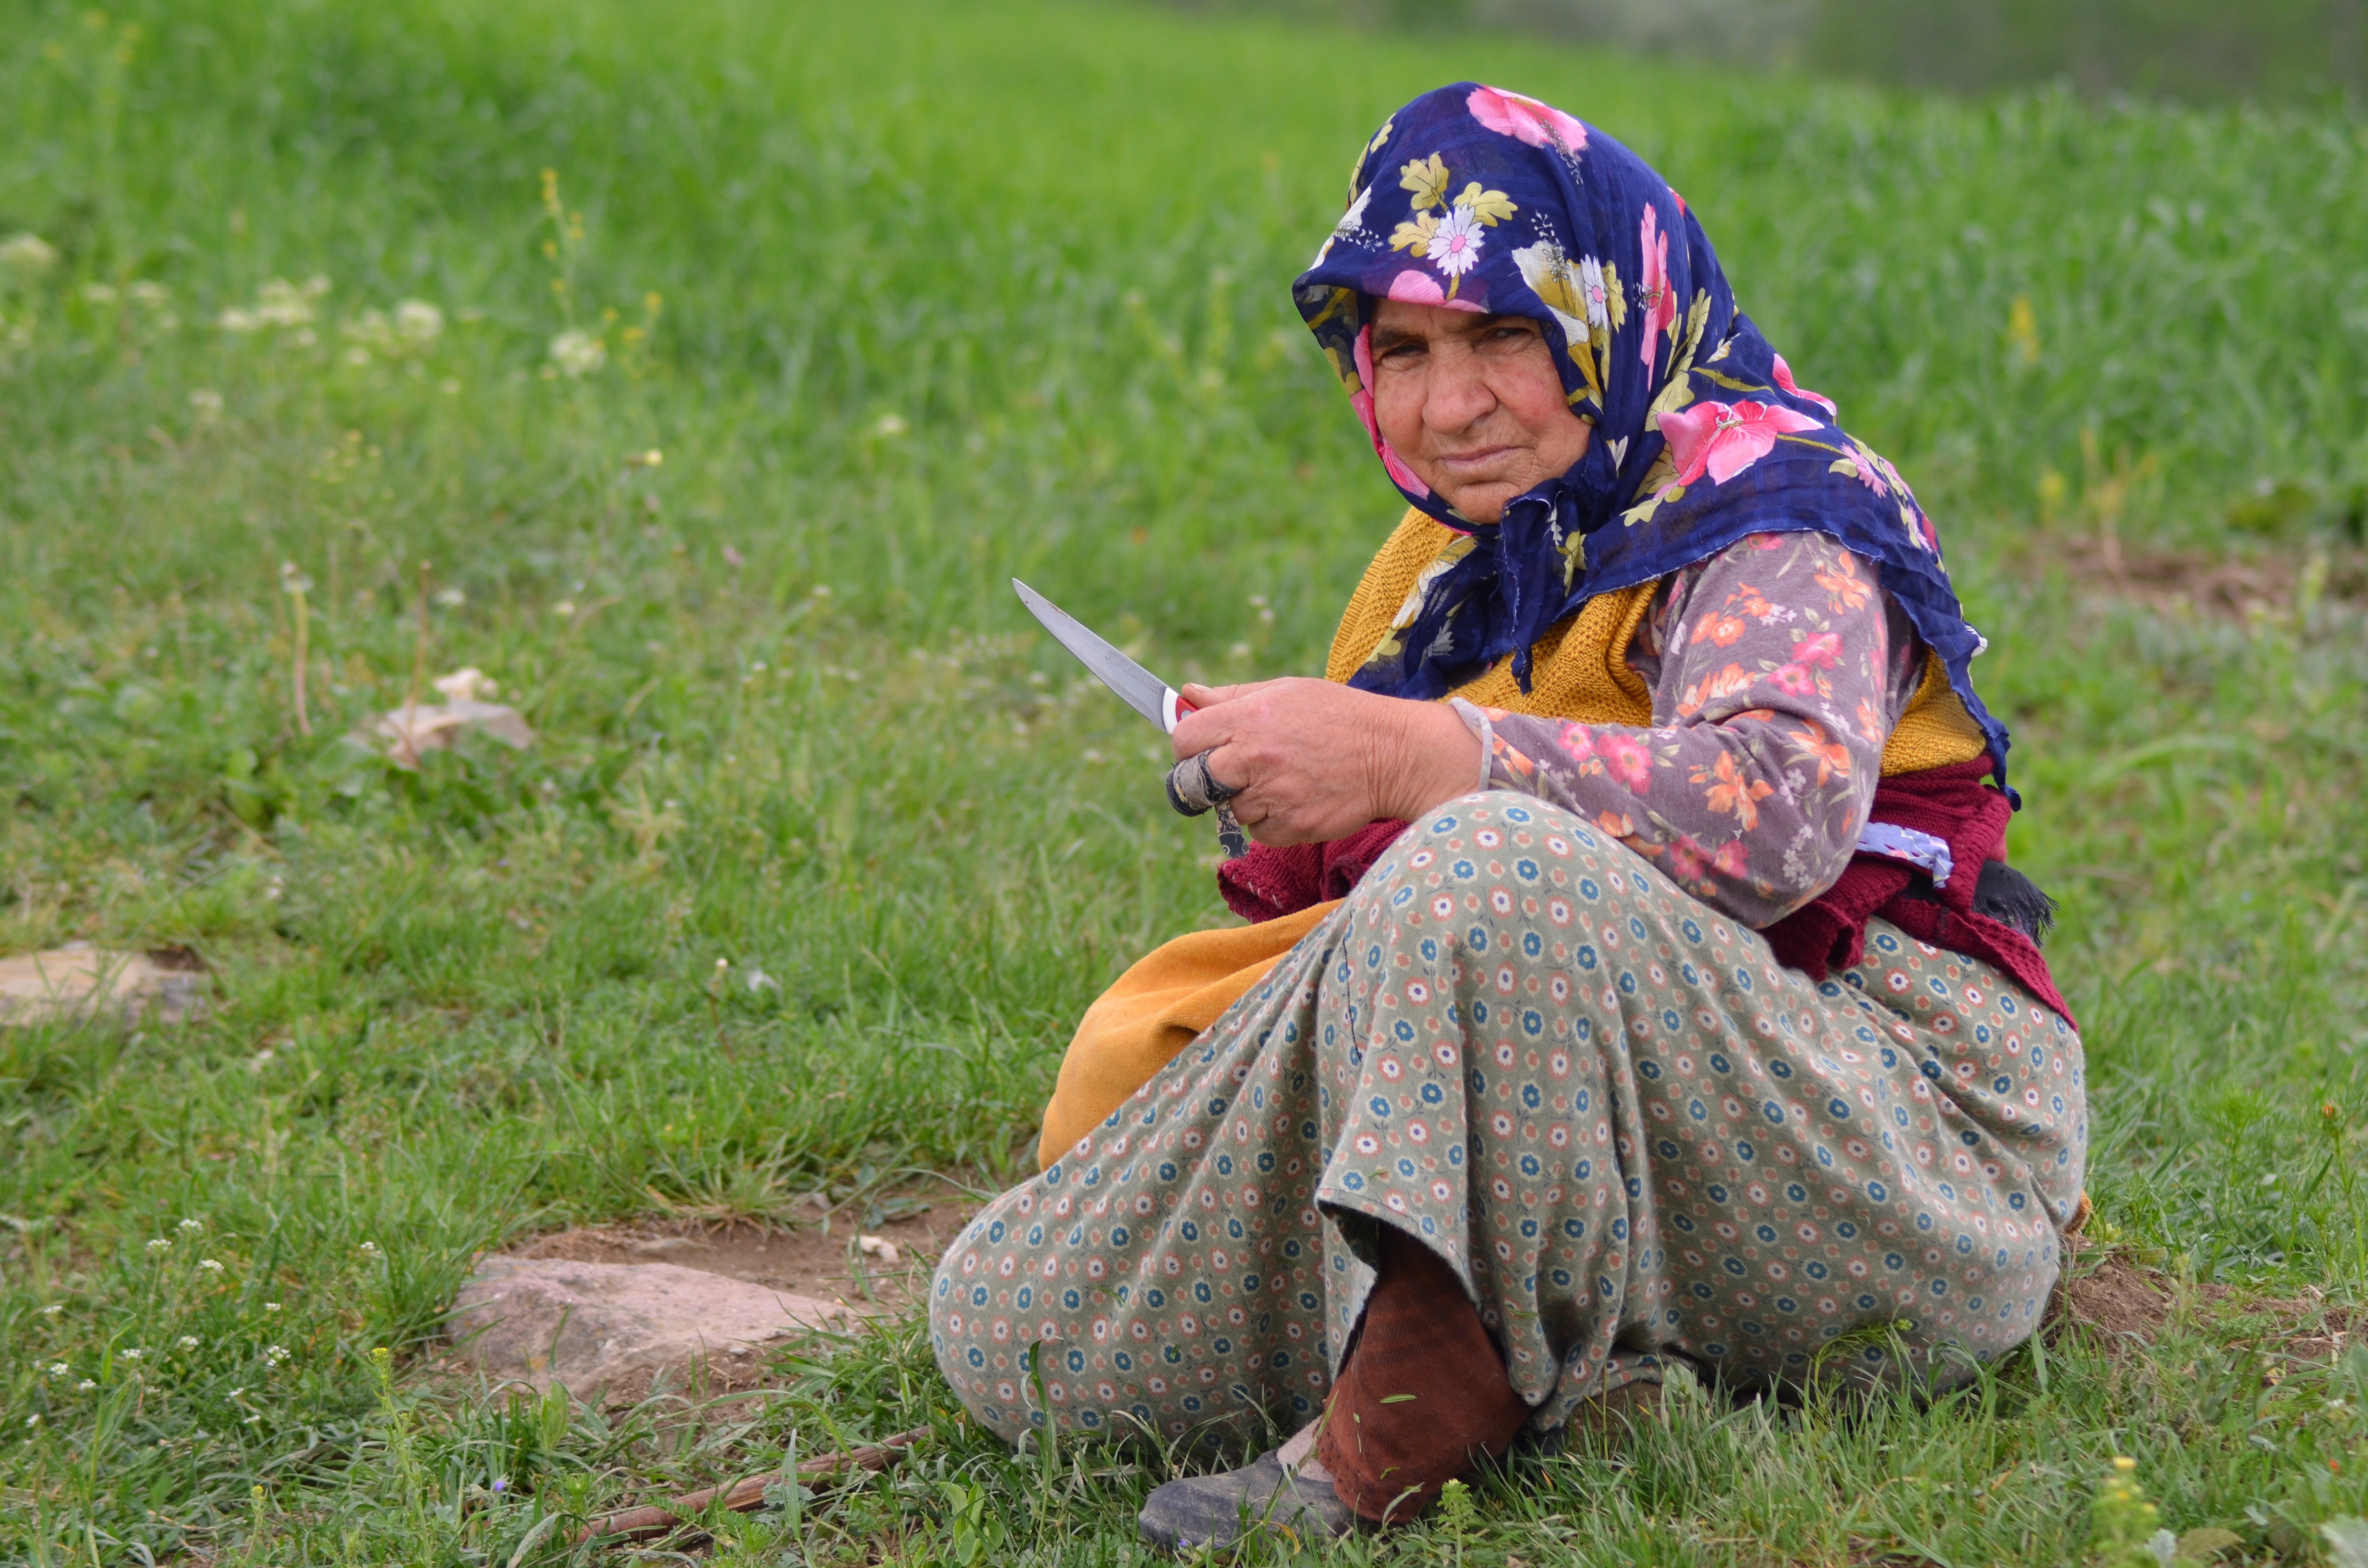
(1482, 503)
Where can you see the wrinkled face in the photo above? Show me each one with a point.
(1472, 403)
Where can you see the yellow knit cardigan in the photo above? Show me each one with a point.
(1578, 671)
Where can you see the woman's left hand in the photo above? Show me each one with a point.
(1312, 760)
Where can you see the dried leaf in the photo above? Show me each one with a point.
(410, 730)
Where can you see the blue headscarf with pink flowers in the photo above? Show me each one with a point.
(1480, 199)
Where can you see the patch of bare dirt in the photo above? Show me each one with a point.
(824, 1257)
(2126, 1303)
(2209, 582)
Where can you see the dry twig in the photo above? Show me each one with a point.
(743, 1497)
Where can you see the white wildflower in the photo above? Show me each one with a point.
(131, 1354)
(467, 684)
(211, 1266)
(59, 1369)
(577, 353)
(417, 322)
(53, 1309)
(188, 1342)
(888, 425)
(282, 303)
(275, 1354)
(34, 1419)
(238, 318)
(369, 1249)
(28, 254)
(270, 1306)
(84, 1386)
(162, 1244)
(191, 1227)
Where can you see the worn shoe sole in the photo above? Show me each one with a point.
(1219, 1510)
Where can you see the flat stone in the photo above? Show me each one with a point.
(80, 981)
(588, 1325)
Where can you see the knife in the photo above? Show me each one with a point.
(1148, 694)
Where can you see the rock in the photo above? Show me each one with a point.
(590, 1325)
(79, 980)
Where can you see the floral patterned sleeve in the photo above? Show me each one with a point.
(1778, 668)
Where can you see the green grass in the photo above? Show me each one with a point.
(951, 293)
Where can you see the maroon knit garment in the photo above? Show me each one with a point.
(1269, 881)
(1952, 803)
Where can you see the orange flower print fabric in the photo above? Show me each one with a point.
(1632, 1133)
(1778, 669)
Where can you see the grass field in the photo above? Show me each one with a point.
(911, 297)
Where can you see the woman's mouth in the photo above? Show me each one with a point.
(1475, 460)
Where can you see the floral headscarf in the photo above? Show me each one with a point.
(1480, 199)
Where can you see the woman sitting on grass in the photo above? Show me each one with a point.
(1679, 1006)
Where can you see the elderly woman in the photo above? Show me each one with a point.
(1680, 1006)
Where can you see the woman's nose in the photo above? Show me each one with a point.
(1459, 392)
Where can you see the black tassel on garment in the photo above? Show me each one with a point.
(2005, 895)
(2008, 897)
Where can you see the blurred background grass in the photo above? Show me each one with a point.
(821, 850)
(2198, 50)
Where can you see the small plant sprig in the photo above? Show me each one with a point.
(295, 585)
(567, 242)
(2124, 1526)
(2333, 1126)
(574, 353)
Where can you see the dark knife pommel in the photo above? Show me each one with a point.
(1192, 790)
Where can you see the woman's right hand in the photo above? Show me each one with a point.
(1311, 760)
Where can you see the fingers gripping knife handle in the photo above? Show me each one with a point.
(1192, 789)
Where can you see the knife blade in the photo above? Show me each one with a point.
(1148, 694)
(1135, 686)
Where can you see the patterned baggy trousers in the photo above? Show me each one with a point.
(1632, 1133)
